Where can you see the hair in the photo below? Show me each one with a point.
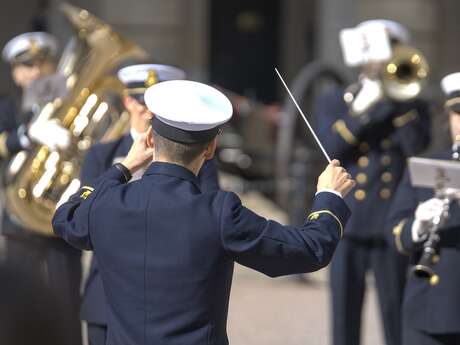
(181, 153)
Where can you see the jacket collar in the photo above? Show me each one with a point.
(174, 170)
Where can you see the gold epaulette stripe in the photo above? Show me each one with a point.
(403, 120)
(315, 216)
(3, 147)
(397, 231)
(340, 127)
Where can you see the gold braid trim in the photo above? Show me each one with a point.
(340, 127)
(3, 147)
(452, 101)
(403, 120)
(397, 231)
(315, 216)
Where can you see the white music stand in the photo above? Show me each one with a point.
(440, 175)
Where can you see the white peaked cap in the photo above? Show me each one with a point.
(27, 41)
(451, 83)
(187, 111)
(395, 30)
(140, 73)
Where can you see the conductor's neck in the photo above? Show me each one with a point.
(194, 166)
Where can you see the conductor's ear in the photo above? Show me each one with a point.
(211, 149)
(150, 143)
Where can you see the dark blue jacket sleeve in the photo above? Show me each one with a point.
(208, 177)
(276, 250)
(92, 167)
(413, 127)
(9, 128)
(341, 132)
(401, 217)
(71, 219)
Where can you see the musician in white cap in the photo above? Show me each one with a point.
(431, 313)
(136, 78)
(372, 126)
(45, 260)
(165, 248)
(31, 56)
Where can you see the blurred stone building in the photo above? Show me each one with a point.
(237, 43)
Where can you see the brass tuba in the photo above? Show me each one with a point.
(39, 179)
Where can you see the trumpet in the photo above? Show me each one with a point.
(402, 77)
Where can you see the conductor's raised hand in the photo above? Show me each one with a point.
(336, 178)
(140, 154)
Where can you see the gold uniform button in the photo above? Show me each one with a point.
(363, 162)
(386, 160)
(361, 178)
(364, 147)
(360, 195)
(385, 193)
(22, 193)
(387, 177)
(385, 144)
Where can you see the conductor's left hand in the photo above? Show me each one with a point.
(140, 154)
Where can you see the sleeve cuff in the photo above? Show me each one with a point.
(402, 233)
(334, 206)
(327, 190)
(118, 173)
(124, 171)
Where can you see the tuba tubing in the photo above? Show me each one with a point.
(38, 180)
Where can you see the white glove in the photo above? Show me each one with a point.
(369, 94)
(424, 215)
(50, 133)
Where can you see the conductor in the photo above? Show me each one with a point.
(166, 250)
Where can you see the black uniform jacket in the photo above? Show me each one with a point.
(373, 148)
(166, 250)
(98, 160)
(434, 309)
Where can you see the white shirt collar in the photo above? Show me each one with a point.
(134, 134)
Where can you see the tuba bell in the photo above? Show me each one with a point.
(38, 180)
(403, 77)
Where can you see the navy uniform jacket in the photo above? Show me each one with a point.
(166, 250)
(9, 123)
(98, 160)
(10, 144)
(433, 309)
(373, 148)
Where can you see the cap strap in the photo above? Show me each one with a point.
(183, 136)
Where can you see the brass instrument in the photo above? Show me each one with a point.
(403, 76)
(39, 179)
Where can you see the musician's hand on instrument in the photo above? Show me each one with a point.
(335, 178)
(50, 133)
(369, 94)
(425, 214)
(140, 154)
